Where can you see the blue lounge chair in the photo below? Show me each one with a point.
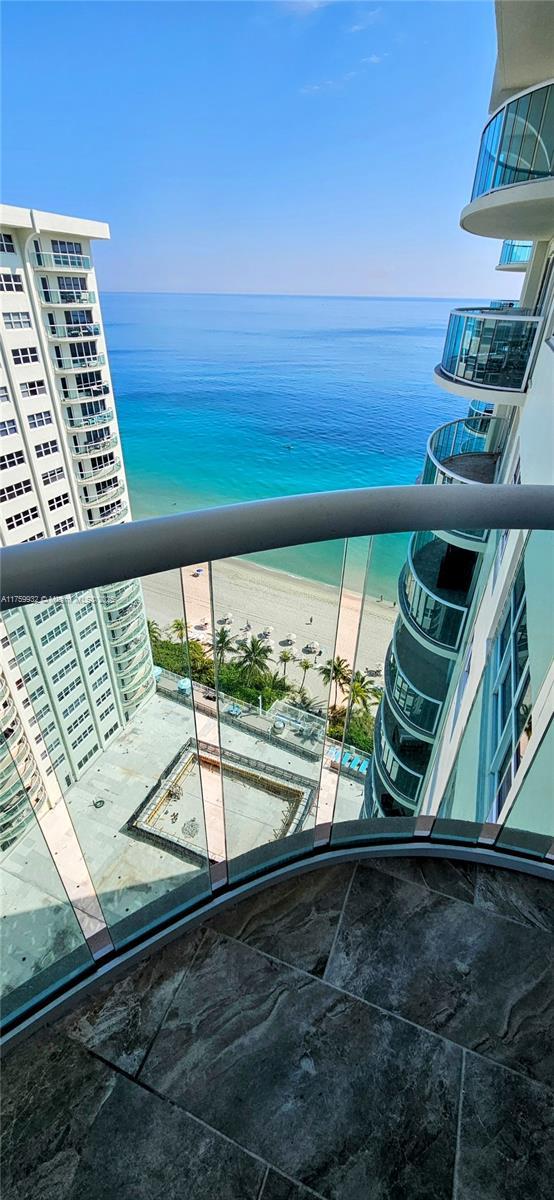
(364, 766)
(346, 758)
(355, 763)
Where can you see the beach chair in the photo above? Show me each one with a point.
(355, 763)
(364, 766)
(346, 759)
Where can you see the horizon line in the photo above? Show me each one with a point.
(288, 295)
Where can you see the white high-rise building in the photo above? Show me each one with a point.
(72, 672)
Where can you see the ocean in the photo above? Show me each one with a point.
(228, 398)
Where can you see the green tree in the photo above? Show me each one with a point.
(336, 671)
(305, 666)
(285, 658)
(222, 645)
(179, 630)
(253, 659)
(154, 633)
(363, 693)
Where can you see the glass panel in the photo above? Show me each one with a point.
(42, 943)
(275, 687)
(518, 144)
(122, 749)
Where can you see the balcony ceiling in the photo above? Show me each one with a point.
(525, 56)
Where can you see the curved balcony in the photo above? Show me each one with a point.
(13, 731)
(7, 709)
(92, 421)
(134, 669)
(112, 493)
(125, 614)
(91, 449)
(513, 191)
(52, 262)
(137, 695)
(478, 417)
(57, 333)
(416, 683)
(466, 451)
(515, 256)
(119, 594)
(433, 591)
(488, 349)
(118, 514)
(80, 364)
(400, 760)
(86, 391)
(99, 473)
(126, 634)
(52, 298)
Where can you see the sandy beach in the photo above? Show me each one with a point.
(265, 598)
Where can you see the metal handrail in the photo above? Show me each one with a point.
(96, 558)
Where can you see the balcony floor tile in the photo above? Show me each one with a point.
(295, 921)
(474, 978)
(75, 1129)
(506, 1145)
(303, 1076)
(455, 879)
(522, 898)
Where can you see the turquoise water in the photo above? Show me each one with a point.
(227, 398)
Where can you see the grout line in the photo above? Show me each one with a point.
(168, 1006)
(459, 1128)
(339, 922)
(395, 1016)
(263, 1183)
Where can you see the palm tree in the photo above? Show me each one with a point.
(253, 659)
(285, 658)
(305, 666)
(336, 671)
(179, 630)
(223, 643)
(154, 633)
(363, 692)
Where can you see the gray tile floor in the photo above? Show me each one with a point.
(361, 1033)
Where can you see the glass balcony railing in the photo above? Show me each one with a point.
(98, 446)
(90, 421)
(517, 145)
(78, 364)
(466, 451)
(53, 297)
(259, 719)
(433, 589)
(71, 262)
(99, 473)
(70, 332)
(515, 254)
(489, 351)
(118, 513)
(85, 391)
(111, 493)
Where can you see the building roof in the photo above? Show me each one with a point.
(33, 218)
(525, 55)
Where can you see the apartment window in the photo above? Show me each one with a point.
(80, 350)
(111, 730)
(15, 489)
(17, 320)
(61, 247)
(81, 316)
(10, 282)
(35, 537)
(94, 666)
(25, 654)
(58, 501)
(69, 688)
(88, 755)
(7, 427)
(70, 285)
(28, 676)
(38, 692)
(25, 354)
(90, 650)
(58, 761)
(38, 419)
(17, 634)
(46, 613)
(83, 612)
(22, 518)
(53, 633)
(6, 243)
(85, 733)
(63, 671)
(92, 628)
(511, 707)
(98, 682)
(53, 476)
(43, 712)
(107, 712)
(34, 387)
(5, 643)
(4, 395)
(14, 459)
(105, 696)
(75, 704)
(53, 657)
(42, 449)
(64, 526)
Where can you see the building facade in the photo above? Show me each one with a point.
(466, 718)
(73, 672)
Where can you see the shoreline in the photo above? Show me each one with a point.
(268, 597)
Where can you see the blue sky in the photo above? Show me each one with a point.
(315, 148)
